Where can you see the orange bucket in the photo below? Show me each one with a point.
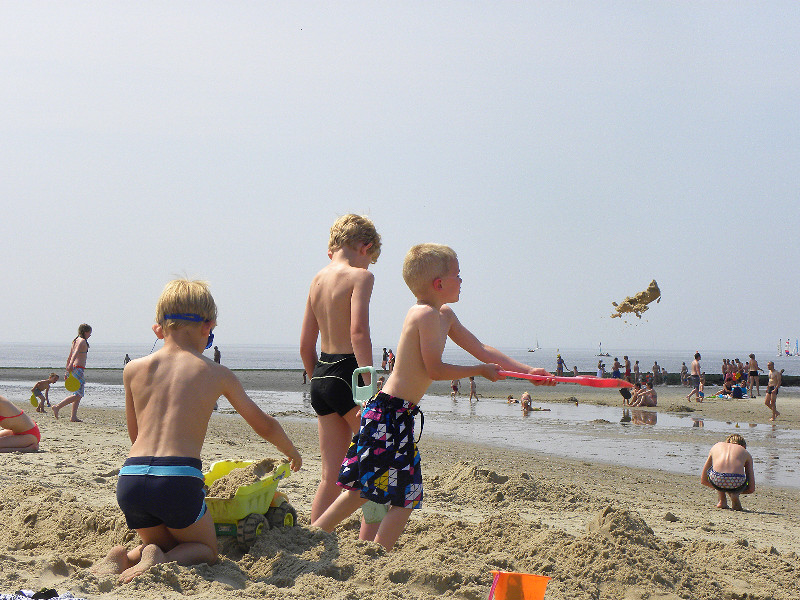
(518, 586)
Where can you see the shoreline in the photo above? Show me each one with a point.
(599, 530)
(671, 398)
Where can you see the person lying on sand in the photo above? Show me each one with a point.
(18, 432)
(729, 470)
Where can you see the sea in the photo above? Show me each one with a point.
(609, 434)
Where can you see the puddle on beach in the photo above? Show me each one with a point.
(611, 434)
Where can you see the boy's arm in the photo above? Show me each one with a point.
(751, 478)
(428, 326)
(467, 340)
(704, 474)
(359, 320)
(308, 339)
(263, 424)
(130, 413)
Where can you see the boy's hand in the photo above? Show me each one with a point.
(491, 371)
(295, 460)
(545, 372)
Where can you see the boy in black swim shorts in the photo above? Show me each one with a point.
(383, 463)
(337, 314)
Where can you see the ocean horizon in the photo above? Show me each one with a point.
(277, 356)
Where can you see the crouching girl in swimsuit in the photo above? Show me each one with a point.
(729, 470)
(18, 432)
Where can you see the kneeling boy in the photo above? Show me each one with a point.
(169, 398)
(383, 464)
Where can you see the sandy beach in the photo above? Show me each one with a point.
(600, 531)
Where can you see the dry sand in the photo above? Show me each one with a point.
(600, 531)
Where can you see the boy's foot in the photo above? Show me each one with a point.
(114, 563)
(76, 420)
(151, 555)
(736, 505)
(55, 412)
(722, 506)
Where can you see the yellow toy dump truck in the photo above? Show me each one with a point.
(255, 508)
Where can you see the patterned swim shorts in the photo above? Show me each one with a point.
(727, 482)
(383, 461)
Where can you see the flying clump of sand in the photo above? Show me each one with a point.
(639, 303)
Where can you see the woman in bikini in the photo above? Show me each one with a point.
(18, 432)
(76, 363)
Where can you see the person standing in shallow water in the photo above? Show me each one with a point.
(76, 365)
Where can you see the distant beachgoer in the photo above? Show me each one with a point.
(752, 376)
(526, 401)
(41, 390)
(560, 364)
(656, 373)
(381, 381)
(615, 369)
(773, 385)
(627, 369)
(217, 355)
(646, 397)
(126, 360)
(473, 389)
(636, 374)
(575, 370)
(76, 365)
(510, 399)
(455, 385)
(390, 364)
(601, 368)
(305, 376)
(18, 432)
(694, 376)
(664, 376)
(729, 470)
(385, 359)
(684, 374)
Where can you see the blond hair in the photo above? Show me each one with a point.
(185, 297)
(426, 262)
(351, 229)
(735, 438)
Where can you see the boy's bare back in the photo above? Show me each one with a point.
(729, 458)
(339, 296)
(170, 396)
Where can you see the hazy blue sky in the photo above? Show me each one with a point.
(570, 152)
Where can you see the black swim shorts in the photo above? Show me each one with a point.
(331, 384)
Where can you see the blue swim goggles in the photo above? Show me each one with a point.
(194, 318)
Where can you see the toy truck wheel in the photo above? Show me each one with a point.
(249, 528)
(282, 516)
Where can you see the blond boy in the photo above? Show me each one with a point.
(389, 473)
(729, 470)
(41, 390)
(337, 314)
(169, 398)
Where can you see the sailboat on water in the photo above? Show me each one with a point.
(601, 353)
(536, 348)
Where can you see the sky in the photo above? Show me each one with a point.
(569, 152)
